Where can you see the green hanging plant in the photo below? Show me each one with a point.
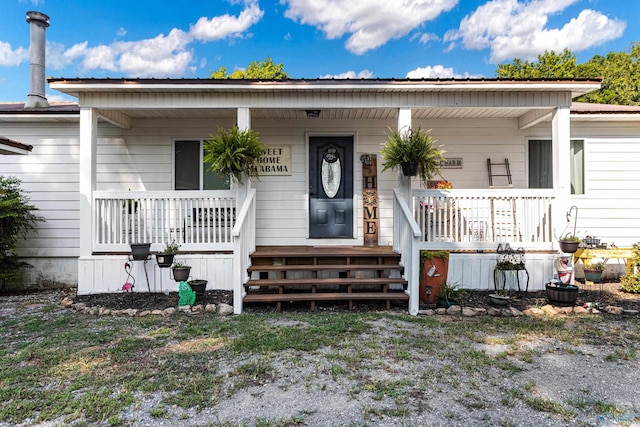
(234, 152)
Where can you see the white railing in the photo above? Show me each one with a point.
(406, 239)
(196, 220)
(480, 219)
(244, 233)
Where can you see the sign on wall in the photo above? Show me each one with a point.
(451, 163)
(276, 160)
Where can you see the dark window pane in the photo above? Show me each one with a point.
(540, 164)
(187, 163)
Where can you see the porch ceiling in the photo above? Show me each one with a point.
(328, 113)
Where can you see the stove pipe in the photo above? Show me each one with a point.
(38, 23)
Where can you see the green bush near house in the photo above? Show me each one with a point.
(631, 282)
(17, 219)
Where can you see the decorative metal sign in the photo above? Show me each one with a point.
(452, 163)
(370, 198)
(276, 160)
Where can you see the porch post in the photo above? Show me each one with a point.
(404, 182)
(242, 190)
(560, 142)
(88, 144)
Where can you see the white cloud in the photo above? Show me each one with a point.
(161, 56)
(370, 23)
(12, 57)
(511, 29)
(438, 71)
(364, 74)
(425, 38)
(121, 32)
(227, 26)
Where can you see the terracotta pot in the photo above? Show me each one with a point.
(433, 282)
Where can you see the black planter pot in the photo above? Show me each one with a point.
(164, 260)
(181, 274)
(568, 247)
(140, 251)
(410, 168)
(198, 286)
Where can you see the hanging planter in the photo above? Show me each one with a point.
(569, 246)
(140, 251)
(180, 272)
(164, 260)
(410, 168)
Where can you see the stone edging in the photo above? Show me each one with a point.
(80, 307)
(548, 310)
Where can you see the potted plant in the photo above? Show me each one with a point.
(165, 258)
(569, 243)
(449, 295)
(562, 293)
(412, 149)
(199, 286)
(234, 152)
(180, 271)
(434, 268)
(593, 270)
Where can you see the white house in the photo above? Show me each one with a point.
(138, 143)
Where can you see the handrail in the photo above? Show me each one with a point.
(406, 212)
(244, 210)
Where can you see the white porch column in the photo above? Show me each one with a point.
(560, 147)
(242, 190)
(88, 144)
(404, 124)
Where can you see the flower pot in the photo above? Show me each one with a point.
(181, 274)
(499, 299)
(164, 260)
(568, 247)
(410, 168)
(140, 251)
(433, 280)
(592, 275)
(198, 286)
(443, 303)
(562, 294)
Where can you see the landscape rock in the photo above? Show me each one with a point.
(454, 309)
(156, 312)
(441, 310)
(515, 312)
(210, 308)
(533, 311)
(67, 302)
(492, 311)
(144, 313)
(469, 312)
(198, 307)
(184, 308)
(580, 310)
(612, 309)
(79, 306)
(168, 312)
(225, 309)
(565, 310)
(549, 309)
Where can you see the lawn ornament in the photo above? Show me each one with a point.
(128, 286)
(187, 295)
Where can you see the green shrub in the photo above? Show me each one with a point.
(16, 221)
(630, 283)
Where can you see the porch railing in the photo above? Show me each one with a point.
(244, 233)
(406, 238)
(477, 219)
(197, 220)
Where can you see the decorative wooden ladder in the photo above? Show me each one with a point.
(507, 173)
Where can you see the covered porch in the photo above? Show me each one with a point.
(218, 230)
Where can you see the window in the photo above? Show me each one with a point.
(540, 165)
(189, 170)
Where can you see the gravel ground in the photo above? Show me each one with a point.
(555, 383)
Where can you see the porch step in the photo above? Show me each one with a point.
(300, 273)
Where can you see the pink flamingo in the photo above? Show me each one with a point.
(130, 279)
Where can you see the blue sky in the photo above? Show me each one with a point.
(312, 38)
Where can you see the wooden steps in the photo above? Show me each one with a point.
(300, 273)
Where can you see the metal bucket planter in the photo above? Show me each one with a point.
(199, 286)
(592, 275)
(140, 251)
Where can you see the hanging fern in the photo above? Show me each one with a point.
(234, 152)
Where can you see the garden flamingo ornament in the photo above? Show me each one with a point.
(130, 279)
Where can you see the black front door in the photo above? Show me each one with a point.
(330, 186)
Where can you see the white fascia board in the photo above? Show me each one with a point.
(605, 117)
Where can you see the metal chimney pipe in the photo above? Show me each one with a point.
(38, 23)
